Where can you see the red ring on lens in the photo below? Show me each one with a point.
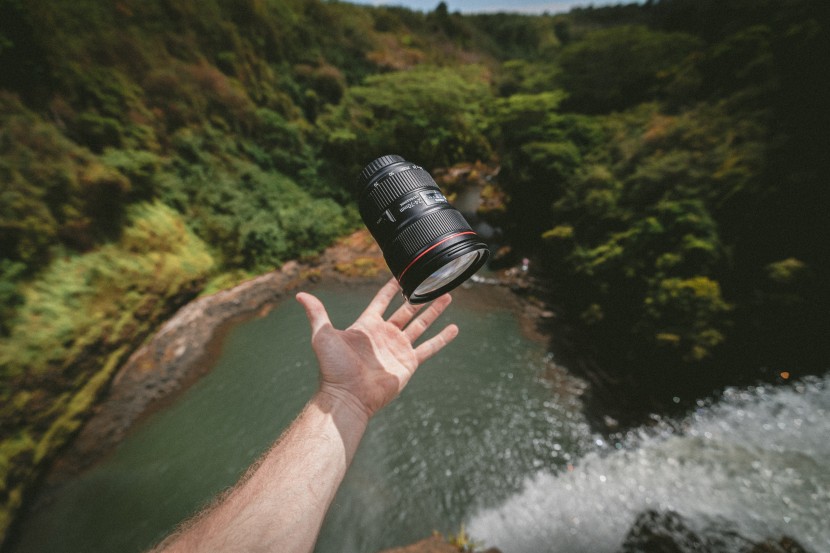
(429, 249)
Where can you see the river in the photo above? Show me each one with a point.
(483, 436)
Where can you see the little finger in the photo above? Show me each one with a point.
(436, 343)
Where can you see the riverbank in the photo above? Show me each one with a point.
(477, 301)
(181, 350)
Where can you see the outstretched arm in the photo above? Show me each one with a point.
(280, 503)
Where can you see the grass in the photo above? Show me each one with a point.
(81, 319)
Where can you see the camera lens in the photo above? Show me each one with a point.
(427, 243)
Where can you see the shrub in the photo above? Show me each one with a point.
(256, 219)
(81, 318)
(432, 116)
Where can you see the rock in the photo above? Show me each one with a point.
(656, 532)
(784, 545)
(668, 532)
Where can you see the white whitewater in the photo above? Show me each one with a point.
(757, 462)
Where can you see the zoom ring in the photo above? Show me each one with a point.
(375, 166)
(397, 185)
(427, 230)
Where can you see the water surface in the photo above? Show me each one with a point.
(481, 436)
(473, 424)
(754, 465)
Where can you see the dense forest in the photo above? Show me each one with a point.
(663, 164)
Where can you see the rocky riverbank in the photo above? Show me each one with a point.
(182, 349)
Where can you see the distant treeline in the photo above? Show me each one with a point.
(666, 163)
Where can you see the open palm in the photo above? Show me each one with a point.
(369, 363)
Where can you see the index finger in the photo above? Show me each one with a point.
(382, 299)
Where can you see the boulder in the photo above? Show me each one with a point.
(668, 532)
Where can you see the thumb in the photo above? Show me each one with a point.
(317, 315)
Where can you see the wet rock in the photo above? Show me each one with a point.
(668, 532)
(784, 545)
(656, 532)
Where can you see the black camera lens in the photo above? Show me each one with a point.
(427, 243)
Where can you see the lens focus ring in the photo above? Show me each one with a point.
(426, 230)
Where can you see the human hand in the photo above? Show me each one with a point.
(368, 364)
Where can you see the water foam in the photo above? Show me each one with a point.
(754, 462)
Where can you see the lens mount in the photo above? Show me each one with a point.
(427, 243)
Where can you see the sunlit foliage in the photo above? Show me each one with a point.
(437, 116)
(76, 325)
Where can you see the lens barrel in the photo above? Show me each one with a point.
(427, 243)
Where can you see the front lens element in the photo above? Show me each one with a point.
(446, 274)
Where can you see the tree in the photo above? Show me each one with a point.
(432, 116)
(619, 67)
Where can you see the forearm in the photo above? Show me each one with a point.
(280, 504)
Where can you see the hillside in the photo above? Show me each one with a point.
(663, 165)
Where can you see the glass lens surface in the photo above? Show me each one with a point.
(446, 274)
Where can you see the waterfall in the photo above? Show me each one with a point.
(753, 462)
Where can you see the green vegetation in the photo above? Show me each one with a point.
(78, 322)
(670, 181)
(434, 115)
(665, 162)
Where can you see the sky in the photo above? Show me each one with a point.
(477, 6)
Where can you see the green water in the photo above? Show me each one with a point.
(472, 426)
